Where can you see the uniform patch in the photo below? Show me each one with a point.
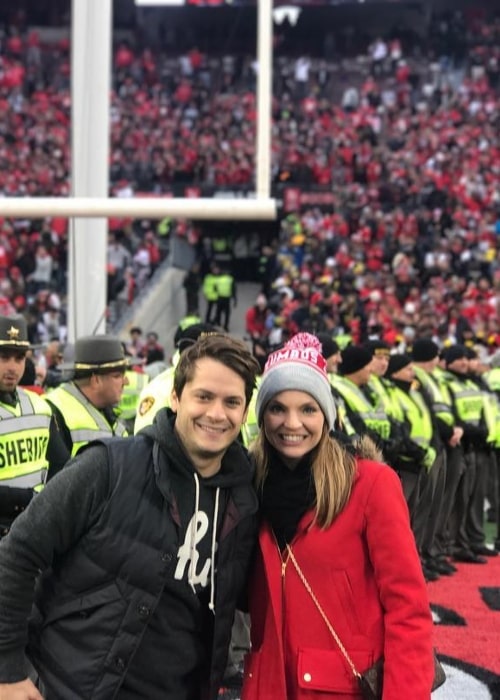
(146, 405)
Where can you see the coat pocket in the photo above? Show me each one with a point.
(328, 671)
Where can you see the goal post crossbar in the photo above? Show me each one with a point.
(140, 207)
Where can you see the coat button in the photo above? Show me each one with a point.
(307, 677)
(143, 611)
(166, 557)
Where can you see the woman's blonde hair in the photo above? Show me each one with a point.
(333, 470)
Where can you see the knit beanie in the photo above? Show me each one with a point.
(354, 358)
(297, 366)
(329, 346)
(454, 352)
(424, 350)
(397, 362)
(378, 348)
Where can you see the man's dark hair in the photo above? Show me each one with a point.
(231, 352)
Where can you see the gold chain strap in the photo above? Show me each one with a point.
(322, 612)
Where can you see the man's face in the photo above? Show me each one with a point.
(460, 365)
(12, 364)
(110, 388)
(210, 412)
(405, 374)
(332, 363)
(379, 364)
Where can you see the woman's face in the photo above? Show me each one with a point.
(293, 424)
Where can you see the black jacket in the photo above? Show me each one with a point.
(107, 532)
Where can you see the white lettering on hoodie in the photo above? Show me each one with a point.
(195, 532)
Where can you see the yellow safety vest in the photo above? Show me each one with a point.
(209, 287)
(250, 429)
(419, 419)
(131, 392)
(188, 321)
(225, 286)
(24, 436)
(436, 388)
(373, 418)
(84, 421)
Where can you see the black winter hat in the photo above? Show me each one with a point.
(192, 333)
(454, 352)
(354, 358)
(397, 362)
(377, 347)
(328, 345)
(424, 350)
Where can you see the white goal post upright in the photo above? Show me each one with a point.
(89, 205)
(91, 39)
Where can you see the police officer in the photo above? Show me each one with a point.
(209, 289)
(353, 373)
(448, 434)
(468, 404)
(84, 407)
(427, 498)
(492, 378)
(29, 440)
(226, 292)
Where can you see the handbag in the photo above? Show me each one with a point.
(370, 682)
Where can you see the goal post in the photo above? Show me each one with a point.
(89, 205)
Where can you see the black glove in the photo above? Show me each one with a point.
(410, 449)
(13, 501)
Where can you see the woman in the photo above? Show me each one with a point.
(346, 521)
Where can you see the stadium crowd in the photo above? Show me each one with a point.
(404, 139)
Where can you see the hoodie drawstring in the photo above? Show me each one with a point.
(194, 522)
(211, 605)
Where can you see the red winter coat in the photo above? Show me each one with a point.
(366, 574)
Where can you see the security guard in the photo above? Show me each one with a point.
(29, 440)
(84, 407)
(157, 393)
(209, 289)
(468, 404)
(426, 501)
(492, 378)
(226, 292)
(354, 372)
(448, 434)
(190, 319)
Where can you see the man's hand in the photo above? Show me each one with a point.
(456, 437)
(24, 690)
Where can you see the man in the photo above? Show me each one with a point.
(353, 374)
(156, 394)
(226, 292)
(469, 404)
(84, 407)
(425, 355)
(423, 478)
(28, 435)
(209, 289)
(331, 352)
(144, 545)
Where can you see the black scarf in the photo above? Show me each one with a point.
(286, 495)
